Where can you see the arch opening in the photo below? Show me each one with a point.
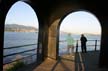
(77, 23)
(21, 33)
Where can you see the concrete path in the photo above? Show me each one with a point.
(75, 62)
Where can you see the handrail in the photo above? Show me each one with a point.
(77, 41)
(88, 45)
(18, 59)
(19, 52)
(19, 46)
(35, 49)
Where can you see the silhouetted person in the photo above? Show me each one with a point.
(83, 40)
(70, 43)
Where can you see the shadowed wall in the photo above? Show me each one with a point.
(50, 13)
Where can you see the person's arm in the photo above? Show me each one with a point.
(80, 38)
(86, 39)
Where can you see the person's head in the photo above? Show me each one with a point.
(82, 35)
(69, 34)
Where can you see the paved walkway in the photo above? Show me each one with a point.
(66, 63)
(76, 62)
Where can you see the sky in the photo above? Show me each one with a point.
(81, 22)
(22, 14)
(76, 22)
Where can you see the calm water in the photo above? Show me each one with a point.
(22, 38)
(16, 39)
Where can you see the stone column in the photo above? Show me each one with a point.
(103, 61)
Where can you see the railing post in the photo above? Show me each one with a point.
(39, 52)
(95, 44)
(76, 46)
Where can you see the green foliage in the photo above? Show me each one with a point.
(16, 66)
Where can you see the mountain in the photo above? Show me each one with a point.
(19, 28)
(92, 34)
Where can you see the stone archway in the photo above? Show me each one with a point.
(55, 19)
(34, 12)
(78, 22)
(49, 11)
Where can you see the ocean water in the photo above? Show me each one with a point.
(12, 39)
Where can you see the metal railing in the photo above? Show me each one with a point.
(95, 41)
(21, 46)
(78, 41)
(24, 46)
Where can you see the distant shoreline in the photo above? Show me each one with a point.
(19, 28)
(60, 33)
(22, 32)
